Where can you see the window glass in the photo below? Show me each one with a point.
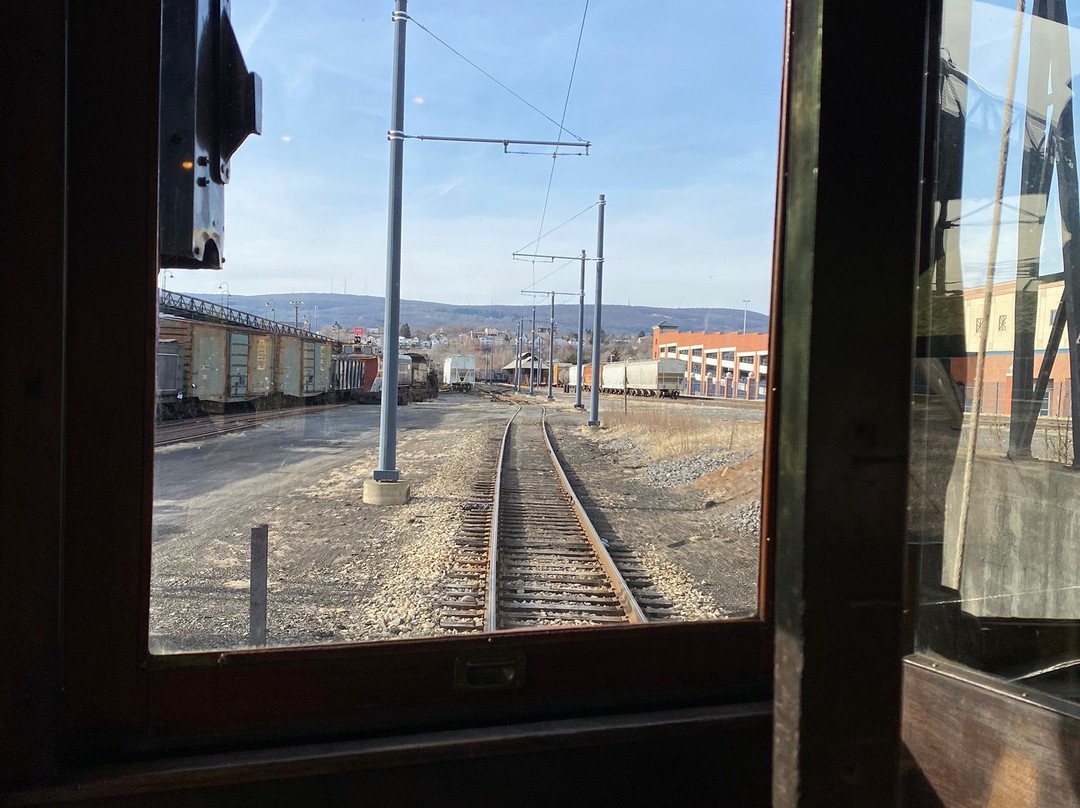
(267, 525)
(994, 487)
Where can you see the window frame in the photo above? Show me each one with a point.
(118, 699)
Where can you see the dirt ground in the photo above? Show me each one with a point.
(341, 570)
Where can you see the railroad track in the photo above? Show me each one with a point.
(528, 554)
(170, 432)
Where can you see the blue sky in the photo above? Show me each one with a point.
(681, 105)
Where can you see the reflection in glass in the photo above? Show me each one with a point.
(993, 485)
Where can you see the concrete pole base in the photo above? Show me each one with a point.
(385, 492)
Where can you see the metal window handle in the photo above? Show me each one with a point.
(489, 673)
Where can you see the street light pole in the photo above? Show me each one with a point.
(165, 280)
(296, 304)
(273, 309)
(224, 285)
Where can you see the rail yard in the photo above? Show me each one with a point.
(682, 529)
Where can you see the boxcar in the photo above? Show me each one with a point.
(227, 367)
(173, 400)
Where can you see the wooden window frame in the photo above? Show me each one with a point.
(77, 80)
(118, 700)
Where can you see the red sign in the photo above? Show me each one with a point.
(358, 331)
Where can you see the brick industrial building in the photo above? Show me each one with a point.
(1000, 340)
(735, 365)
(724, 364)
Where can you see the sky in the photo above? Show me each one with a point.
(681, 105)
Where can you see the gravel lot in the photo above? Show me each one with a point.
(341, 570)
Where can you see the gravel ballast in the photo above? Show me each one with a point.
(341, 570)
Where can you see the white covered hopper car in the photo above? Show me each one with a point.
(653, 377)
(460, 372)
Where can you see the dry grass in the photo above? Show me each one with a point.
(667, 430)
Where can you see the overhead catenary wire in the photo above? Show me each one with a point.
(562, 120)
(531, 106)
(554, 271)
(552, 230)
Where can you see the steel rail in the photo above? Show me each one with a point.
(491, 598)
(621, 597)
(622, 589)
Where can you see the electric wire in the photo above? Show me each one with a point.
(560, 123)
(552, 230)
(474, 64)
(555, 154)
(557, 269)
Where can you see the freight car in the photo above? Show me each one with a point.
(571, 377)
(352, 376)
(173, 400)
(416, 380)
(459, 372)
(652, 377)
(215, 368)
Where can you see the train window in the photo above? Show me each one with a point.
(261, 532)
(171, 494)
(994, 487)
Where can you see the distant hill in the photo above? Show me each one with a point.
(367, 311)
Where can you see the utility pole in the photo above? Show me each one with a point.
(594, 397)
(580, 334)
(520, 339)
(551, 348)
(387, 471)
(296, 304)
(532, 356)
(580, 319)
(745, 303)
